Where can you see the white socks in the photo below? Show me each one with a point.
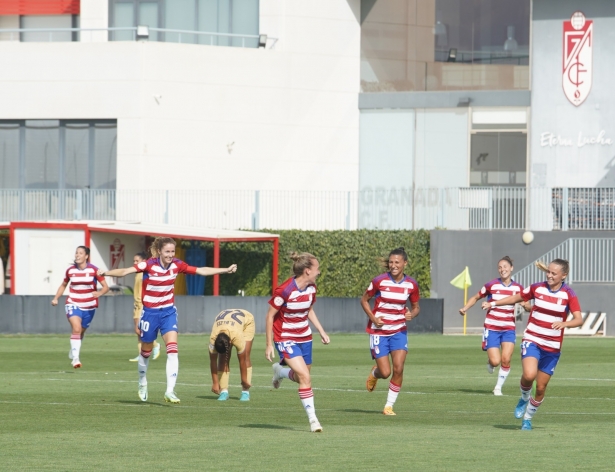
(502, 375)
(75, 345)
(142, 364)
(393, 392)
(307, 399)
(172, 369)
(532, 407)
(525, 392)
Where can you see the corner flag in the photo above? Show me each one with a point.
(463, 281)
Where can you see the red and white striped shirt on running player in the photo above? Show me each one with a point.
(159, 283)
(82, 286)
(500, 318)
(549, 307)
(390, 303)
(290, 323)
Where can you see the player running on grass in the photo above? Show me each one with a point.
(138, 309)
(82, 299)
(499, 328)
(543, 337)
(287, 319)
(232, 327)
(387, 323)
(159, 313)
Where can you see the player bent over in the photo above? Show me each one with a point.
(232, 327)
(287, 319)
(388, 334)
(159, 313)
(543, 337)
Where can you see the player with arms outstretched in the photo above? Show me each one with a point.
(159, 313)
(232, 328)
(388, 334)
(291, 310)
(542, 340)
(499, 329)
(82, 299)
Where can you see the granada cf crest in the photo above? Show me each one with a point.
(578, 47)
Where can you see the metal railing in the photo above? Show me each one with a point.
(485, 208)
(591, 260)
(131, 34)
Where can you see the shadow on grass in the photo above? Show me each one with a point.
(265, 426)
(139, 402)
(208, 397)
(508, 426)
(356, 410)
(470, 390)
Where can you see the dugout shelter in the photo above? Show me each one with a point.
(40, 252)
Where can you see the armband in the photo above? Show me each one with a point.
(492, 304)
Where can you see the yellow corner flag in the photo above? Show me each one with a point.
(463, 281)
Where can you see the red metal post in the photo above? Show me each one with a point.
(274, 263)
(216, 264)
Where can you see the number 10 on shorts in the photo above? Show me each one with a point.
(144, 325)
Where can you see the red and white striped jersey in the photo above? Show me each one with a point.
(159, 283)
(500, 318)
(549, 307)
(390, 303)
(290, 323)
(82, 286)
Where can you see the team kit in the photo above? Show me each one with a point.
(390, 301)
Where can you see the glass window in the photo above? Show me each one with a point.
(42, 154)
(498, 158)
(9, 155)
(243, 13)
(148, 16)
(47, 21)
(123, 17)
(180, 15)
(476, 45)
(58, 154)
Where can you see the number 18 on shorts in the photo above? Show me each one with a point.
(381, 346)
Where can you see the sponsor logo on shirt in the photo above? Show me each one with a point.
(278, 301)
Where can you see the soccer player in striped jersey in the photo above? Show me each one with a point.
(291, 309)
(499, 328)
(82, 299)
(542, 340)
(159, 313)
(388, 334)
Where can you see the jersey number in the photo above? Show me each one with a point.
(235, 314)
(144, 325)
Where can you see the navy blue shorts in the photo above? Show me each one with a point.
(493, 338)
(547, 361)
(381, 346)
(86, 315)
(157, 319)
(290, 349)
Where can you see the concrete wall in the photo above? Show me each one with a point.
(253, 118)
(35, 315)
(451, 251)
(572, 165)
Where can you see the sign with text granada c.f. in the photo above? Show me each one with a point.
(578, 47)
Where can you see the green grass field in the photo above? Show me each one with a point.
(54, 418)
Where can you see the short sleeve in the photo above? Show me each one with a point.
(141, 266)
(278, 299)
(239, 343)
(100, 278)
(483, 292)
(66, 277)
(372, 289)
(414, 294)
(528, 293)
(185, 268)
(573, 304)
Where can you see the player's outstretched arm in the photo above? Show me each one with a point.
(206, 271)
(213, 366)
(314, 319)
(59, 293)
(269, 333)
(117, 272)
(471, 302)
(504, 301)
(368, 310)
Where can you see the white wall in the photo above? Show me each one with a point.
(289, 115)
(94, 14)
(42, 257)
(100, 253)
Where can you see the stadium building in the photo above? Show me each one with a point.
(490, 116)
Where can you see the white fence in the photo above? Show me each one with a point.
(513, 208)
(591, 260)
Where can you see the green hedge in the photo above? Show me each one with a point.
(348, 260)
